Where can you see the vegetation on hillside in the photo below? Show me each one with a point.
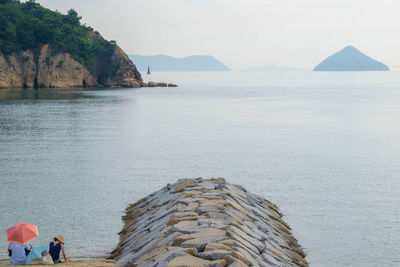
(28, 25)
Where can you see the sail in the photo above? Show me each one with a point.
(148, 69)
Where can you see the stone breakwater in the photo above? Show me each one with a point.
(206, 223)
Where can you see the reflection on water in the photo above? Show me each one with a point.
(55, 94)
(325, 147)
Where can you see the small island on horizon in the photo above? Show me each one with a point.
(350, 59)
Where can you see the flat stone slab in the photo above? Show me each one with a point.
(206, 223)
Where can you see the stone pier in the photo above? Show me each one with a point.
(206, 223)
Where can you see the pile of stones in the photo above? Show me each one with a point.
(206, 223)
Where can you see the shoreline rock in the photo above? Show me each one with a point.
(160, 84)
(206, 222)
(49, 68)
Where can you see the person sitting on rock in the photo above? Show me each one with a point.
(55, 247)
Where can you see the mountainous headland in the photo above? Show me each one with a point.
(205, 223)
(167, 63)
(350, 59)
(41, 48)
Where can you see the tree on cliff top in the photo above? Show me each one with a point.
(28, 25)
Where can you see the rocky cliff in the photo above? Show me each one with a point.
(53, 69)
(204, 223)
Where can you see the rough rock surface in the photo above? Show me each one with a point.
(206, 222)
(152, 84)
(50, 73)
(127, 74)
(59, 70)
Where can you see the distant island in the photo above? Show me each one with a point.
(265, 68)
(167, 63)
(44, 48)
(350, 59)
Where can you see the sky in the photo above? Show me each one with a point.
(246, 33)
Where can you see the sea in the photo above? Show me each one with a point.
(323, 146)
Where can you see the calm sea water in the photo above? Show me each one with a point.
(325, 147)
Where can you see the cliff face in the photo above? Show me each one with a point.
(51, 69)
(126, 75)
(206, 222)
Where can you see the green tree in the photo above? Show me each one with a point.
(28, 25)
(8, 37)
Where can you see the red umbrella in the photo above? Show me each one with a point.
(22, 233)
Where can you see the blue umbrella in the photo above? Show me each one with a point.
(35, 253)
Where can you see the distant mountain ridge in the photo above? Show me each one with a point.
(350, 59)
(168, 63)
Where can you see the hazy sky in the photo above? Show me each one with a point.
(245, 33)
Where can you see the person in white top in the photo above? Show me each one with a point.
(18, 253)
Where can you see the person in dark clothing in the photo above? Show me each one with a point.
(55, 247)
